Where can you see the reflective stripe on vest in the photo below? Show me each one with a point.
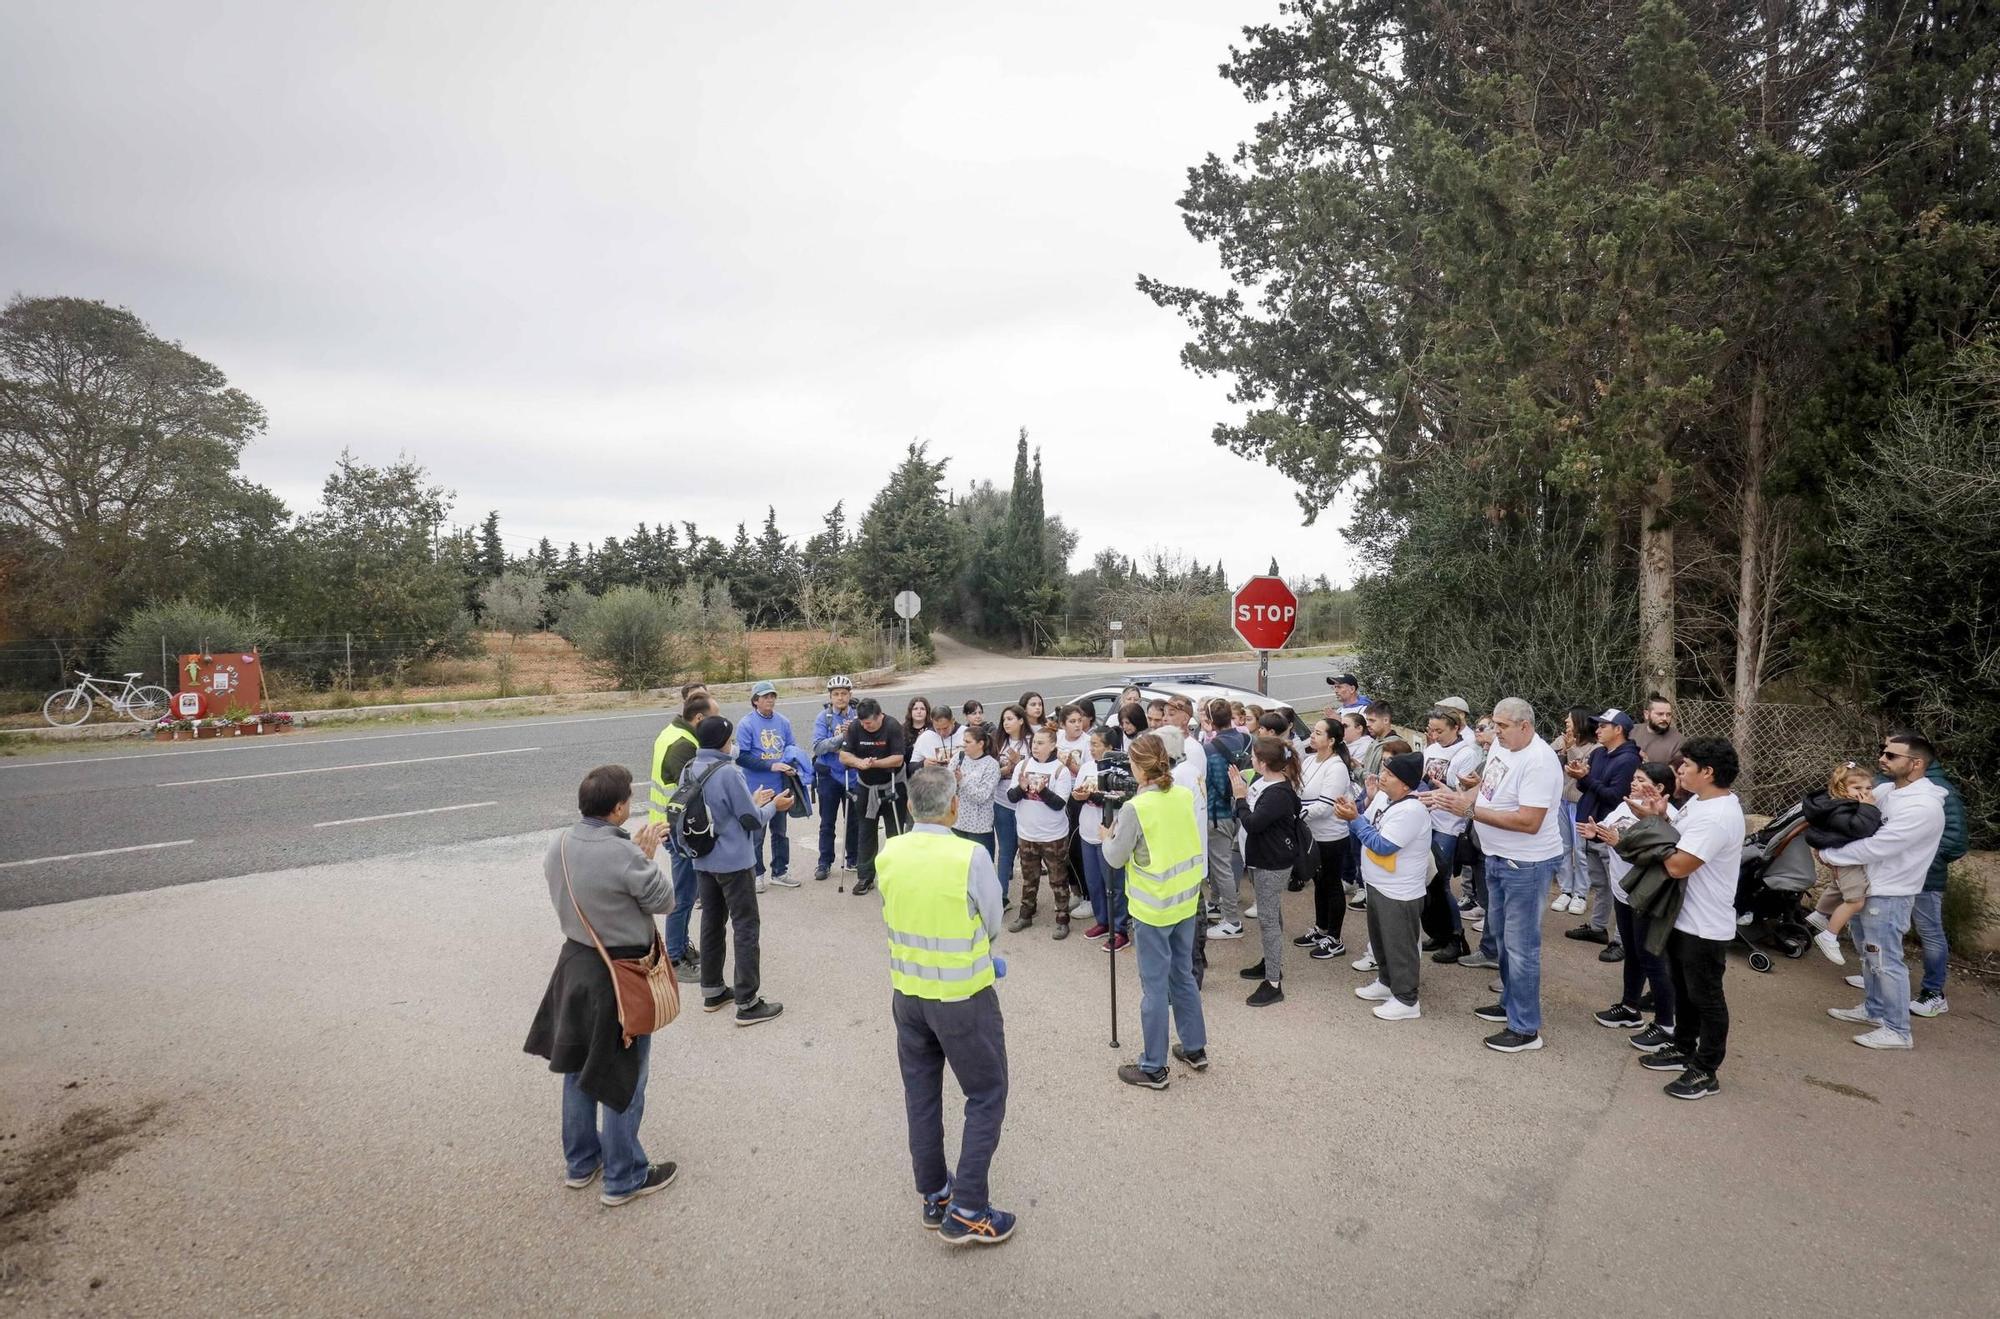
(661, 793)
(1167, 889)
(938, 947)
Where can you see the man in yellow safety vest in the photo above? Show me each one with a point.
(1159, 842)
(672, 750)
(941, 902)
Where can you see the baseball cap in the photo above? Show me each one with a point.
(1340, 678)
(1619, 717)
(764, 688)
(1455, 703)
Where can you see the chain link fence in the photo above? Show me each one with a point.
(1789, 749)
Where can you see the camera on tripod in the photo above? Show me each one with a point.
(1115, 783)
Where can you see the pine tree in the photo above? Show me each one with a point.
(491, 557)
(906, 541)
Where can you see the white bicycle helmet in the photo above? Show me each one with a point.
(840, 680)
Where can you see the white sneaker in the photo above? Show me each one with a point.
(1578, 904)
(784, 881)
(1857, 1014)
(1365, 962)
(1884, 1038)
(1856, 982)
(1560, 904)
(762, 883)
(1249, 912)
(1817, 921)
(1746, 918)
(1225, 930)
(1829, 943)
(1397, 1010)
(1934, 1006)
(1081, 907)
(1498, 986)
(1374, 992)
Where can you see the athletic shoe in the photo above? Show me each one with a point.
(1613, 953)
(1061, 931)
(717, 1002)
(1198, 1060)
(1693, 1084)
(578, 1183)
(1081, 907)
(1212, 912)
(1265, 994)
(1365, 962)
(862, 886)
(1816, 919)
(784, 881)
(1020, 923)
(758, 1013)
(1118, 943)
(988, 1227)
(1374, 992)
(1666, 1060)
(1309, 938)
(1359, 901)
(1884, 1038)
(1654, 1039)
(1829, 944)
(819, 875)
(1512, 1041)
(1930, 1005)
(1328, 949)
(1432, 945)
(1492, 1012)
(1097, 931)
(1746, 918)
(1499, 986)
(1473, 913)
(1225, 930)
(1479, 961)
(1397, 1010)
(1587, 934)
(762, 883)
(1856, 982)
(1560, 904)
(658, 1178)
(1619, 1017)
(1467, 904)
(1252, 972)
(687, 970)
(1476, 922)
(1453, 951)
(1133, 1074)
(937, 1207)
(1250, 912)
(1295, 885)
(1858, 1014)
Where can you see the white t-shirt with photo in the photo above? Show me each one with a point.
(1616, 866)
(1531, 776)
(929, 743)
(1038, 821)
(1444, 766)
(1713, 831)
(1404, 873)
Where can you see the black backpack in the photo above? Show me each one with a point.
(1305, 865)
(689, 821)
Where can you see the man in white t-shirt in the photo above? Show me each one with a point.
(1450, 758)
(1708, 858)
(1514, 812)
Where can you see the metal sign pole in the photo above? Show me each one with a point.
(1263, 673)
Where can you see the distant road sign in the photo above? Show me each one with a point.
(907, 604)
(1264, 612)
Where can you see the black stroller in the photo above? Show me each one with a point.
(1777, 872)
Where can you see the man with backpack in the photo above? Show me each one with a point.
(716, 819)
(672, 751)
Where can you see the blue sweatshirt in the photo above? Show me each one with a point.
(732, 812)
(763, 743)
(1224, 749)
(829, 731)
(1607, 781)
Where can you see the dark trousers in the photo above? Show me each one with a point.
(1440, 915)
(1329, 885)
(1642, 967)
(1392, 932)
(888, 821)
(1701, 1031)
(834, 801)
(729, 898)
(970, 1036)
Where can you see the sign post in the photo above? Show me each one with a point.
(1263, 612)
(907, 605)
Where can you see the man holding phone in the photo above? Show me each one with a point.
(941, 743)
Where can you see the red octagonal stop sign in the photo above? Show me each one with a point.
(1264, 613)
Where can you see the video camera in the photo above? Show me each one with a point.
(1116, 783)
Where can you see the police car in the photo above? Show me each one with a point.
(1102, 702)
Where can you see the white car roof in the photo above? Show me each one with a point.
(1196, 687)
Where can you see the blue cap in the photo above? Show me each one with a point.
(765, 688)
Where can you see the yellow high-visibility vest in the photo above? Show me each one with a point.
(938, 947)
(1167, 889)
(661, 793)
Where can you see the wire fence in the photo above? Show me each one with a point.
(1788, 750)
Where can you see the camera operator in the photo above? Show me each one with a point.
(1106, 782)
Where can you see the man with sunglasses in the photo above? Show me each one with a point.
(1897, 857)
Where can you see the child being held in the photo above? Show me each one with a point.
(1844, 812)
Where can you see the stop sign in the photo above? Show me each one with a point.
(1263, 612)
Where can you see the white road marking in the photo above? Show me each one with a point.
(329, 769)
(401, 815)
(109, 851)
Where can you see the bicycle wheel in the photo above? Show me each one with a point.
(148, 705)
(67, 708)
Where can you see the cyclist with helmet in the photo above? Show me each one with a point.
(833, 782)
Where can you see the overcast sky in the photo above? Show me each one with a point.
(593, 263)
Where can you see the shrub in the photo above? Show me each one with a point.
(831, 657)
(1968, 909)
(189, 627)
(627, 636)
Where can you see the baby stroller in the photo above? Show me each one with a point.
(1776, 873)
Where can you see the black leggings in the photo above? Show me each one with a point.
(1329, 879)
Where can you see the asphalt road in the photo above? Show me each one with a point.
(98, 820)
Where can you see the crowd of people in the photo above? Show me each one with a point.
(1175, 825)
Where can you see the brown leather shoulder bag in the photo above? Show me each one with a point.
(649, 997)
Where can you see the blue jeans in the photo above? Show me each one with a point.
(1437, 897)
(1008, 839)
(684, 892)
(1106, 886)
(983, 841)
(781, 845)
(1517, 890)
(1928, 917)
(832, 800)
(1166, 979)
(1575, 879)
(616, 1146)
(1884, 922)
